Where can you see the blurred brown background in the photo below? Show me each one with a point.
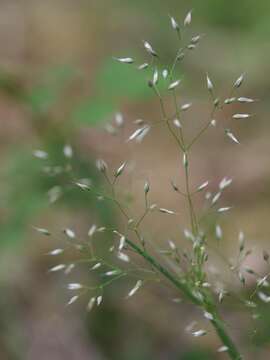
(60, 85)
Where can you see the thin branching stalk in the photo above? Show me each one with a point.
(190, 276)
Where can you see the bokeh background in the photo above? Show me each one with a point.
(59, 85)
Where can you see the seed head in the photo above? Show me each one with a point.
(210, 86)
(222, 349)
(146, 187)
(139, 134)
(73, 299)
(143, 66)
(231, 136)
(57, 268)
(122, 243)
(263, 297)
(69, 233)
(126, 60)
(120, 170)
(166, 211)
(101, 165)
(74, 286)
(186, 106)
(203, 186)
(239, 81)
(119, 119)
(69, 268)
(188, 18)
(56, 252)
(229, 100)
(40, 154)
(225, 182)
(245, 100)
(42, 231)
(199, 333)
(96, 266)
(155, 77)
(165, 73)
(149, 48)
(195, 39)
(177, 123)
(174, 23)
(68, 151)
(224, 209)
(135, 288)
(92, 230)
(241, 116)
(173, 85)
(218, 232)
(123, 257)
(91, 304)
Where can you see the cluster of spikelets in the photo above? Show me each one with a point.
(189, 272)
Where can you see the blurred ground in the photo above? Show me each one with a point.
(58, 86)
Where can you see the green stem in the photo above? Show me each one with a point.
(207, 305)
(182, 286)
(218, 324)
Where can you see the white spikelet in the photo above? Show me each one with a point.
(69, 233)
(224, 209)
(73, 299)
(56, 252)
(96, 266)
(149, 48)
(185, 107)
(40, 154)
(174, 84)
(225, 182)
(208, 316)
(199, 333)
(123, 257)
(241, 116)
(210, 86)
(203, 186)
(135, 288)
(122, 243)
(155, 77)
(232, 136)
(74, 286)
(119, 119)
(177, 123)
(263, 297)
(42, 231)
(120, 169)
(239, 81)
(139, 133)
(68, 151)
(91, 304)
(218, 232)
(57, 268)
(166, 211)
(99, 300)
(188, 18)
(92, 230)
(222, 349)
(174, 23)
(245, 100)
(125, 60)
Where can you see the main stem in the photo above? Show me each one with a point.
(207, 305)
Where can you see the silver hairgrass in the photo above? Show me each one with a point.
(132, 253)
